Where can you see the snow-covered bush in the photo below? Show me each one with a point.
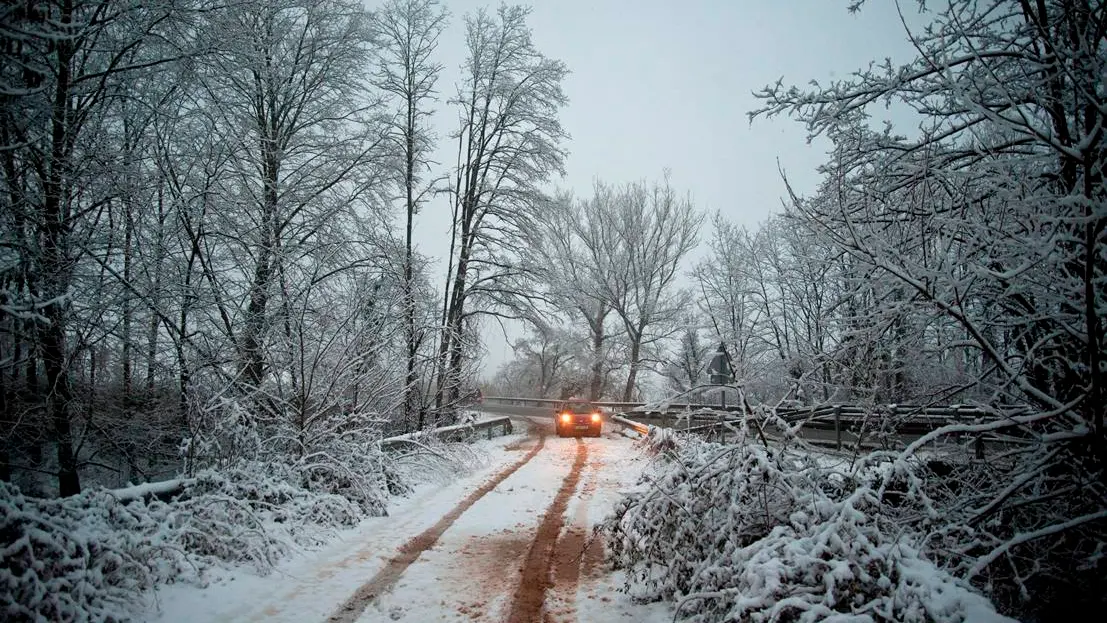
(746, 532)
(425, 458)
(659, 440)
(235, 516)
(79, 558)
(90, 556)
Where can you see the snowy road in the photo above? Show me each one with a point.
(510, 543)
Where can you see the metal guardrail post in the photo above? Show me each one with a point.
(838, 427)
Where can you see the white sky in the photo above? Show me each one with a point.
(667, 84)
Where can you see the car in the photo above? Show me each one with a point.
(578, 418)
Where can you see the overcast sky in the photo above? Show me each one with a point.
(667, 84)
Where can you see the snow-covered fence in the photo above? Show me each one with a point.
(454, 432)
(163, 490)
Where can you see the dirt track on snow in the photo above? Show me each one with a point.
(531, 595)
(521, 574)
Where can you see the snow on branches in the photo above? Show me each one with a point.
(91, 556)
(747, 532)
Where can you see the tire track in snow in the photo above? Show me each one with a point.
(529, 598)
(578, 552)
(387, 577)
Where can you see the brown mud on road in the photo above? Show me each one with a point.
(578, 553)
(386, 578)
(488, 566)
(530, 597)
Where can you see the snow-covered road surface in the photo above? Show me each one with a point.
(513, 542)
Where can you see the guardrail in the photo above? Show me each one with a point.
(450, 433)
(852, 425)
(631, 424)
(650, 407)
(791, 414)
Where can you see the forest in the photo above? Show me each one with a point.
(208, 267)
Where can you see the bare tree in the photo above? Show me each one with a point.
(728, 296)
(508, 145)
(406, 36)
(286, 87)
(570, 274)
(546, 358)
(688, 367)
(62, 65)
(616, 255)
(637, 242)
(992, 218)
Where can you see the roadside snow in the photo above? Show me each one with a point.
(311, 583)
(744, 532)
(472, 572)
(601, 596)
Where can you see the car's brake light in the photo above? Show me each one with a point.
(566, 417)
(595, 417)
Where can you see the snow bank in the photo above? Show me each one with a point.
(91, 556)
(748, 533)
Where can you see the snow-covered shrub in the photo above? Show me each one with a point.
(425, 458)
(79, 558)
(89, 557)
(236, 516)
(659, 440)
(748, 533)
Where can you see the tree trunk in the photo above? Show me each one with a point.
(128, 304)
(155, 294)
(253, 360)
(57, 379)
(595, 386)
(5, 453)
(55, 239)
(632, 375)
(411, 396)
(448, 385)
(1096, 402)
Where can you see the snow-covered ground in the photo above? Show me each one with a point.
(510, 541)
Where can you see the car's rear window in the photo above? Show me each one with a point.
(579, 407)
